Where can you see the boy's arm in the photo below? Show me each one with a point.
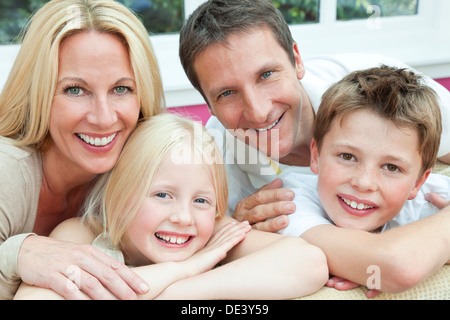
(398, 259)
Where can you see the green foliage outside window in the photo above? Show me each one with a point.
(298, 11)
(167, 16)
(357, 9)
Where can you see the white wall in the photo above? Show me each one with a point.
(421, 41)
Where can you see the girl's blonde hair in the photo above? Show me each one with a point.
(27, 96)
(118, 195)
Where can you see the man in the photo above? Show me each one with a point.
(240, 55)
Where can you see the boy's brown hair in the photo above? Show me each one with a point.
(395, 94)
(215, 20)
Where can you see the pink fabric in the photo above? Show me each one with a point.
(198, 113)
(445, 82)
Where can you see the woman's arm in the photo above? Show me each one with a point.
(160, 275)
(263, 266)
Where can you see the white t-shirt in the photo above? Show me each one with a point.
(310, 212)
(246, 176)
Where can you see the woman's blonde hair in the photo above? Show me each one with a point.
(27, 96)
(118, 195)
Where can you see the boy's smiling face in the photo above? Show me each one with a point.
(368, 168)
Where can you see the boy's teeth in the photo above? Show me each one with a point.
(355, 205)
(98, 142)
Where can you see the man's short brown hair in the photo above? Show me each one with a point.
(215, 20)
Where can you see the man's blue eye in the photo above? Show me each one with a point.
(226, 93)
(267, 74)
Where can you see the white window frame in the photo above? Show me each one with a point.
(422, 41)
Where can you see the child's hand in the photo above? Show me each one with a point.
(216, 249)
(437, 200)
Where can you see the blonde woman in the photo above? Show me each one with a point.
(85, 74)
(162, 209)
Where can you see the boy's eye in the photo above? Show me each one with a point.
(346, 156)
(392, 168)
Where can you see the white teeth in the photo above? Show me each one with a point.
(172, 239)
(97, 141)
(355, 205)
(269, 127)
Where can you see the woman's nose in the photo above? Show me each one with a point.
(102, 114)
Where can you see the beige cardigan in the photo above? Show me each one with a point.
(20, 184)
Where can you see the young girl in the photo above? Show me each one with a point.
(161, 209)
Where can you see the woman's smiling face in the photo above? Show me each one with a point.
(95, 107)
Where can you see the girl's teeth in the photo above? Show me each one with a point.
(172, 239)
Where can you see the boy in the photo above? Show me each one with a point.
(375, 141)
(241, 56)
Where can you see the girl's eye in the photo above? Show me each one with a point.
(346, 156)
(162, 195)
(200, 200)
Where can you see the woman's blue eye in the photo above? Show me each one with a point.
(121, 90)
(200, 200)
(75, 91)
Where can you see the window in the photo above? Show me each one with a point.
(158, 16)
(165, 17)
(299, 11)
(362, 9)
(414, 31)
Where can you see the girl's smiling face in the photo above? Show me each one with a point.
(368, 168)
(177, 218)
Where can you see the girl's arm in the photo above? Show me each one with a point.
(160, 275)
(263, 266)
